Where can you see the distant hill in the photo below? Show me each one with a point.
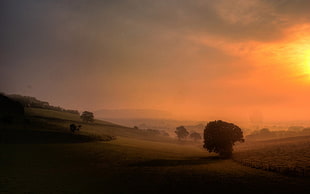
(132, 114)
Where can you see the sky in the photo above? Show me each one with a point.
(194, 59)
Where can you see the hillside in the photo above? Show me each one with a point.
(41, 122)
(45, 125)
(43, 156)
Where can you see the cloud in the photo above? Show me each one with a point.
(179, 55)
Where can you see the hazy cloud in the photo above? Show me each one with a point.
(153, 54)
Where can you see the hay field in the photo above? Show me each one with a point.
(289, 156)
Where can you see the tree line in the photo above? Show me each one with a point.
(32, 102)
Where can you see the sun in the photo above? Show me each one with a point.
(298, 55)
(290, 57)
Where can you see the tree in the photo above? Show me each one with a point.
(181, 132)
(195, 136)
(87, 116)
(220, 137)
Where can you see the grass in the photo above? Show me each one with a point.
(129, 164)
(47, 126)
(62, 120)
(289, 156)
(57, 115)
(45, 113)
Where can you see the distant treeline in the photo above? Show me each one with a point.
(28, 101)
(266, 133)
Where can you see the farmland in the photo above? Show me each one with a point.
(134, 162)
(290, 156)
(130, 166)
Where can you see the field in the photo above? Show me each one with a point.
(129, 164)
(290, 156)
(61, 122)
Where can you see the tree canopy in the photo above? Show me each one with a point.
(87, 116)
(220, 137)
(181, 132)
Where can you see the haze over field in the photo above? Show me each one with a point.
(192, 59)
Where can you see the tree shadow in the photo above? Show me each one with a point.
(177, 162)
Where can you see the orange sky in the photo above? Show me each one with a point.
(195, 59)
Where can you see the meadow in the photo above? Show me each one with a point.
(289, 156)
(130, 163)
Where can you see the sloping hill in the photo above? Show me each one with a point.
(45, 126)
(62, 120)
(48, 126)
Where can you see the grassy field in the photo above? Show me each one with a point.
(47, 126)
(128, 164)
(131, 166)
(290, 156)
(62, 120)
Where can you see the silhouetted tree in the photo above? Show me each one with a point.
(181, 132)
(74, 128)
(220, 136)
(195, 136)
(87, 116)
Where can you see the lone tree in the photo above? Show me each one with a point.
(87, 116)
(220, 137)
(195, 136)
(181, 132)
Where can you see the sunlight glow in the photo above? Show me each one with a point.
(306, 61)
(299, 50)
(293, 56)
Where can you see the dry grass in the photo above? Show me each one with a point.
(131, 166)
(290, 156)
